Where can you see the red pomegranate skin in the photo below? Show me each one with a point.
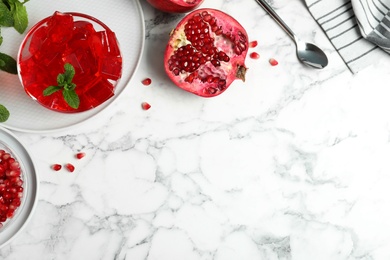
(175, 6)
(206, 52)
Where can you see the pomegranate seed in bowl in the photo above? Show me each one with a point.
(11, 185)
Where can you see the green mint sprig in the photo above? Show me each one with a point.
(4, 114)
(13, 13)
(65, 84)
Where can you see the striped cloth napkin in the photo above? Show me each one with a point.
(358, 29)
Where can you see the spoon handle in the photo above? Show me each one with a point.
(276, 17)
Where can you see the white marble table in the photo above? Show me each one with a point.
(292, 164)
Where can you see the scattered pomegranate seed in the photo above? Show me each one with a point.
(147, 81)
(254, 55)
(145, 105)
(56, 167)
(70, 167)
(80, 155)
(252, 44)
(273, 62)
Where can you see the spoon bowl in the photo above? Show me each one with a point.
(310, 54)
(307, 53)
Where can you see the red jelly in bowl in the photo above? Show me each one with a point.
(84, 42)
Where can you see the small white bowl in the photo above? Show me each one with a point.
(11, 227)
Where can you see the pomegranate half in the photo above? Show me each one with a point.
(206, 52)
(175, 6)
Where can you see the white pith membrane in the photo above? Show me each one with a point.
(222, 43)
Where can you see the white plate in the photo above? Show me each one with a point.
(13, 226)
(124, 17)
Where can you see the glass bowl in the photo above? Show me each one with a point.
(80, 40)
(9, 228)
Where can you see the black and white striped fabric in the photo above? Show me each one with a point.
(358, 29)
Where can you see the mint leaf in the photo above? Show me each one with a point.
(6, 18)
(50, 90)
(20, 16)
(8, 2)
(61, 80)
(4, 113)
(8, 64)
(69, 73)
(71, 98)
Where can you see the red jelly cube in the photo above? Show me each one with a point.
(87, 68)
(82, 30)
(110, 43)
(101, 91)
(37, 39)
(111, 67)
(60, 27)
(96, 46)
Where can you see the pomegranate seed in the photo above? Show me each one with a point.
(11, 160)
(10, 213)
(7, 195)
(69, 167)
(56, 167)
(145, 106)
(5, 156)
(14, 165)
(273, 62)
(254, 55)
(80, 155)
(252, 44)
(147, 81)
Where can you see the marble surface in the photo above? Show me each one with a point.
(292, 164)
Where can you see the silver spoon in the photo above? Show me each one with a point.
(307, 53)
